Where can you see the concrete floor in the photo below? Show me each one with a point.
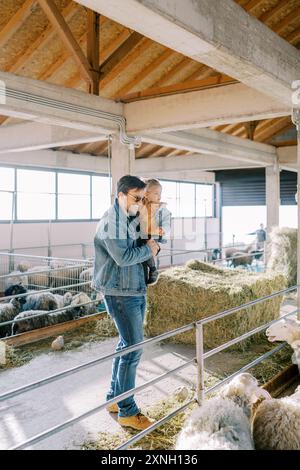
(33, 412)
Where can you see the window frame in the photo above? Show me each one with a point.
(16, 220)
(213, 195)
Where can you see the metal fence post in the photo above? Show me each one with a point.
(83, 250)
(200, 363)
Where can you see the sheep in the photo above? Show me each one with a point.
(276, 423)
(287, 329)
(63, 300)
(67, 276)
(234, 251)
(8, 311)
(223, 422)
(23, 267)
(46, 319)
(239, 260)
(229, 252)
(85, 276)
(41, 301)
(44, 303)
(83, 310)
(36, 279)
(15, 290)
(30, 324)
(16, 278)
(256, 254)
(216, 254)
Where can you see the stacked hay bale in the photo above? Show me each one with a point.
(282, 253)
(198, 290)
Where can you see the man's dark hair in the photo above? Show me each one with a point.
(128, 182)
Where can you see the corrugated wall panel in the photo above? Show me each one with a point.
(248, 187)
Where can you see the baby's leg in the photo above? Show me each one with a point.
(146, 271)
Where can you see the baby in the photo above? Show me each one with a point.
(155, 220)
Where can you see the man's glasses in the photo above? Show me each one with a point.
(136, 198)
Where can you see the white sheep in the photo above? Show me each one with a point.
(38, 276)
(223, 422)
(8, 311)
(69, 275)
(287, 329)
(23, 267)
(276, 424)
(85, 276)
(82, 298)
(63, 300)
(16, 278)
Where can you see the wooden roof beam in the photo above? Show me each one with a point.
(113, 62)
(16, 21)
(252, 4)
(42, 40)
(58, 21)
(269, 14)
(93, 44)
(273, 129)
(293, 37)
(188, 28)
(141, 75)
(184, 62)
(282, 24)
(178, 88)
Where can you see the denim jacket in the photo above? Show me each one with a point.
(117, 266)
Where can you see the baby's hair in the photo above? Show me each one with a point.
(151, 183)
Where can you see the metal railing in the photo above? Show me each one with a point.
(88, 247)
(38, 272)
(198, 361)
(224, 261)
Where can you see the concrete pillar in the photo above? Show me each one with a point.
(218, 213)
(272, 196)
(122, 162)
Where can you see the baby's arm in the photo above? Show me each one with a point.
(148, 221)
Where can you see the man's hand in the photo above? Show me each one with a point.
(153, 247)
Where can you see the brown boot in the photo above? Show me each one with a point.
(113, 408)
(139, 421)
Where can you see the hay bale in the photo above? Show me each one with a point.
(282, 253)
(183, 295)
(198, 265)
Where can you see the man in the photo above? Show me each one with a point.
(119, 275)
(260, 237)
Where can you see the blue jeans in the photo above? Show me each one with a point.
(128, 313)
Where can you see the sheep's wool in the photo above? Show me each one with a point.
(276, 424)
